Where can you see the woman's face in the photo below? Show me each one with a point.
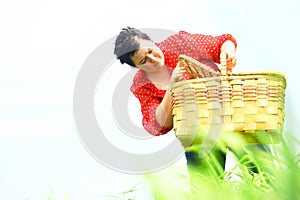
(148, 57)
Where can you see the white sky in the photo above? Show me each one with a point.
(43, 45)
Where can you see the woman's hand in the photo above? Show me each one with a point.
(228, 47)
(178, 74)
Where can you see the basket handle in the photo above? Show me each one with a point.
(224, 70)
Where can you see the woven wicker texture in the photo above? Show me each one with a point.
(246, 105)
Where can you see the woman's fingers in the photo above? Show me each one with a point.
(230, 60)
(178, 74)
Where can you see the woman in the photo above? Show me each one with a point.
(158, 70)
(157, 63)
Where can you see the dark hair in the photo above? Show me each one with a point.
(126, 44)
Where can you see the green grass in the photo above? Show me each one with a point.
(278, 178)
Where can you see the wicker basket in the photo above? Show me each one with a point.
(242, 105)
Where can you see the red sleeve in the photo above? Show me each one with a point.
(207, 46)
(204, 48)
(149, 103)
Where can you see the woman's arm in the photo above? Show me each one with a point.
(164, 111)
(229, 48)
(208, 47)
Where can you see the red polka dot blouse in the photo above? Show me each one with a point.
(204, 48)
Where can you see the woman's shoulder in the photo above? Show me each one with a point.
(139, 80)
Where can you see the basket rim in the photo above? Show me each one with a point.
(268, 73)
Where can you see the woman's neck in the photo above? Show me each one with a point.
(160, 79)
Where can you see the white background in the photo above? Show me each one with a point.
(43, 45)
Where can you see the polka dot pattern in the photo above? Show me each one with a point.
(204, 48)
